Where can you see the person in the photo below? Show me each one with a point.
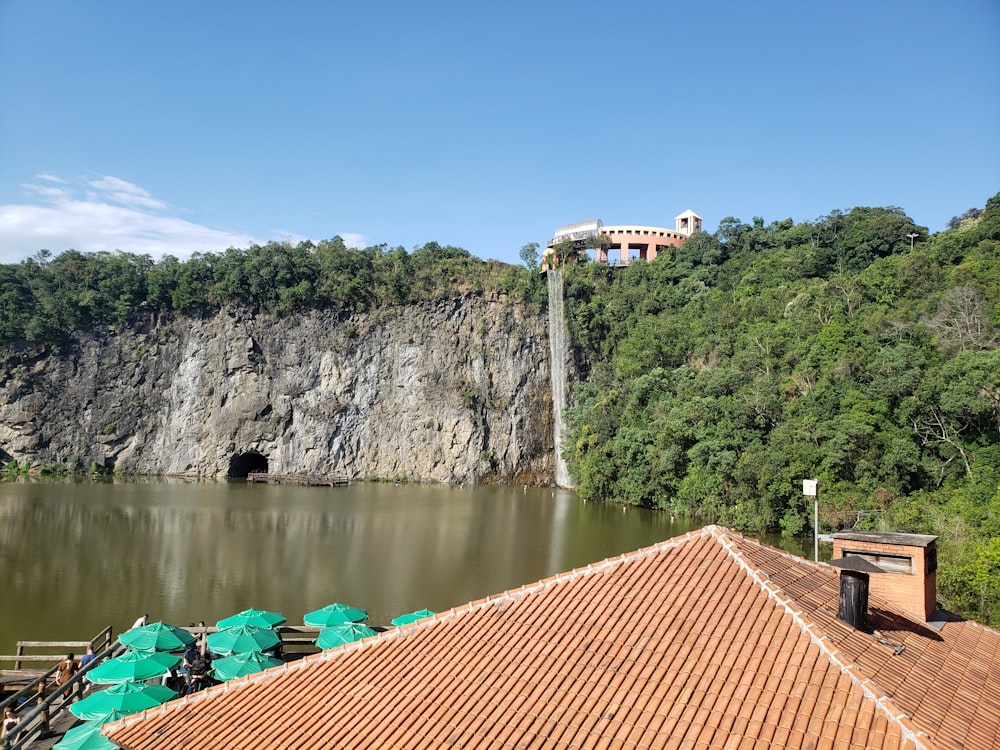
(10, 722)
(190, 655)
(199, 672)
(173, 679)
(140, 622)
(86, 659)
(65, 671)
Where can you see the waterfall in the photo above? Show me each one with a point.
(557, 356)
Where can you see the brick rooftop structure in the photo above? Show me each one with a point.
(909, 562)
(709, 640)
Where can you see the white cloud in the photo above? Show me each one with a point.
(49, 193)
(112, 214)
(126, 193)
(355, 240)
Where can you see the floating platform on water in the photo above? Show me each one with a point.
(325, 481)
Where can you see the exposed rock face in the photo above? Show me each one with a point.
(455, 390)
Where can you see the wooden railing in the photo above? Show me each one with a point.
(55, 652)
(295, 639)
(37, 700)
(299, 639)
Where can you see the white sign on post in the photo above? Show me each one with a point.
(809, 490)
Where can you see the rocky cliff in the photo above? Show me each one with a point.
(455, 390)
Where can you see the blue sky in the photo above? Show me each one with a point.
(194, 126)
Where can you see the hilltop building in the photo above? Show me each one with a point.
(708, 640)
(622, 243)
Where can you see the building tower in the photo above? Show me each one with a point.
(688, 222)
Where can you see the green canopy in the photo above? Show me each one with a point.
(409, 617)
(126, 697)
(262, 618)
(342, 634)
(133, 665)
(157, 636)
(240, 665)
(88, 735)
(239, 639)
(334, 614)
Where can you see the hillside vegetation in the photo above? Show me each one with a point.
(44, 298)
(725, 373)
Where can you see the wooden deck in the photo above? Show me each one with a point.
(29, 687)
(58, 726)
(31, 691)
(324, 481)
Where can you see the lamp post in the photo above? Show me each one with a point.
(912, 236)
(809, 490)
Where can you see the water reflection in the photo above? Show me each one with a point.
(79, 556)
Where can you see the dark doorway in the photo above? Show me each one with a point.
(247, 463)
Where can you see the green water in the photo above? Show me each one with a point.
(78, 556)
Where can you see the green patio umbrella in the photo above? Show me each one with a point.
(409, 617)
(342, 634)
(133, 665)
(88, 735)
(157, 636)
(262, 618)
(125, 697)
(239, 639)
(334, 614)
(240, 665)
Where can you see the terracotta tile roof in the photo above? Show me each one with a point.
(709, 640)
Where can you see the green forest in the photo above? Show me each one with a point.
(856, 349)
(45, 298)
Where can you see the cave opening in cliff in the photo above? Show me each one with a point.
(243, 464)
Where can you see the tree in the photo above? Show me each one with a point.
(956, 222)
(700, 249)
(852, 241)
(564, 251)
(529, 255)
(962, 321)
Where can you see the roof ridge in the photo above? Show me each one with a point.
(868, 687)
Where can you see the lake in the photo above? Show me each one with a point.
(76, 556)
